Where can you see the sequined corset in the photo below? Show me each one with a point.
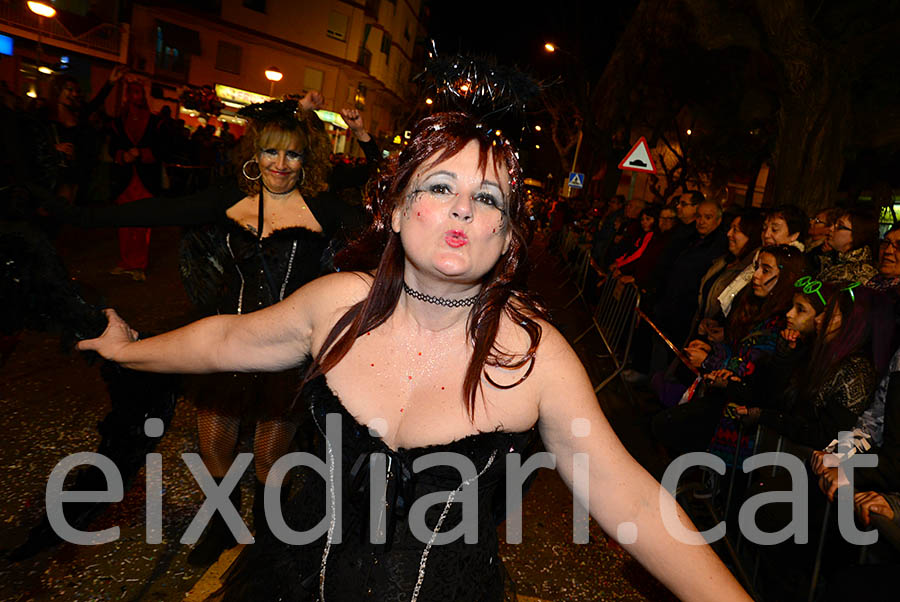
(293, 257)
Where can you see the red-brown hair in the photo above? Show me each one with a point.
(435, 139)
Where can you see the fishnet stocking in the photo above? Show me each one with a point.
(218, 439)
(271, 441)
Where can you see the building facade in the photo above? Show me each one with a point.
(354, 52)
(359, 53)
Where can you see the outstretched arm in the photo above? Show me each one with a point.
(620, 490)
(271, 339)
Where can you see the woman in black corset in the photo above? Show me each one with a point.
(432, 346)
(257, 240)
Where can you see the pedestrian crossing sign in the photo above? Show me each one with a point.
(576, 180)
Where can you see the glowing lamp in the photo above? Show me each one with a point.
(42, 9)
(274, 74)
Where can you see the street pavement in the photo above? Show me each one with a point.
(52, 400)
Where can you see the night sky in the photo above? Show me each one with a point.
(515, 33)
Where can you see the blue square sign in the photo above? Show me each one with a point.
(576, 180)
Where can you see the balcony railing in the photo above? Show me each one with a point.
(106, 40)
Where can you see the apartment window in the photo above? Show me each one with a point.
(372, 8)
(257, 5)
(360, 96)
(174, 47)
(313, 79)
(228, 57)
(337, 26)
(386, 46)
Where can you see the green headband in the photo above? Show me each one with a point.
(810, 286)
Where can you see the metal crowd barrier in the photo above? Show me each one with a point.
(614, 318)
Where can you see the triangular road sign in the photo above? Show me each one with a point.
(638, 158)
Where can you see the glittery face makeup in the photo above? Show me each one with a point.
(454, 215)
(280, 168)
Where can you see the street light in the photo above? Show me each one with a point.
(537, 128)
(273, 74)
(42, 9)
(428, 101)
(552, 48)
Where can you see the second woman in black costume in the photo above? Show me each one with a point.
(262, 238)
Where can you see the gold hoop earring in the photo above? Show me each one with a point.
(302, 177)
(244, 170)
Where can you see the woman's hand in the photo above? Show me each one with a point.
(719, 378)
(866, 502)
(117, 336)
(831, 480)
(354, 121)
(821, 461)
(791, 336)
(312, 101)
(749, 416)
(696, 352)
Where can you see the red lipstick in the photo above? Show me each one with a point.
(456, 238)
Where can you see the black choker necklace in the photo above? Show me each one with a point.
(439, 300)
(272, 192)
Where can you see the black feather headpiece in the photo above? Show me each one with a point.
(280, 110)
(477, 85)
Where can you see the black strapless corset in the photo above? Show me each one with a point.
(348, 563)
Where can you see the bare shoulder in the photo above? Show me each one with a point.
(326, 294)
(342, 286)
(552, 348)
(324, 300)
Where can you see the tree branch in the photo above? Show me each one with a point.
(718, 27)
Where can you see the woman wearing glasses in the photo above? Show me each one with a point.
(853, 239)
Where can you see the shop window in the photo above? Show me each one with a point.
(228, 57)
(337, 26)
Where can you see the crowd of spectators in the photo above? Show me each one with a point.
(787, 322)
(91, 154)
